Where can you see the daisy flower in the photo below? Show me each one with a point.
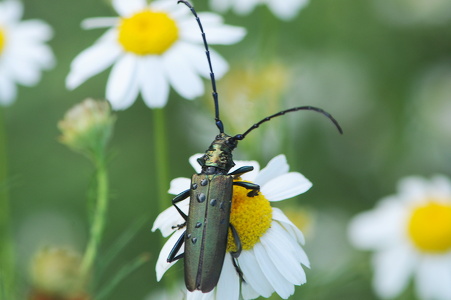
(285, 10)
(272, 256)
(152, 47)
(410, 233)
(23, 53)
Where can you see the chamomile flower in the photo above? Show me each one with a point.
(23, 52)
(410, 233)
(272, 255)
(152, 47)
(285, 10)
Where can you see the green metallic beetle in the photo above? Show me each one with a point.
(207, 223)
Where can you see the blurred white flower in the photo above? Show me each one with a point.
(23, 54)
(152, 47)
(285, 10)
(410, 233)
(411, 12)
(272, 256)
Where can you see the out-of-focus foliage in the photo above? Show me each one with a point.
(384, 76)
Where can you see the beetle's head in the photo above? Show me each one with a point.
(219, 154)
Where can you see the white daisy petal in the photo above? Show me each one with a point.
(200, 63)
(99, 22)
(182, 75)
(24, 55)
(228, 287)
(162, 263)
(198, 295)
(38, 56)
(286, 10)
(93, 60)
(274, 244)
(125, 8)
(245, 7)
(253, 274)
(279, 216)
(34, 30)
(249, 176)
(433, 277)
(177, 12)
(193, 162)
(122, 86)
(394, 266)
(215, 32)
(8, 91)
(179, 185)
(286, 186)
(220, 5)
(441, 187)
(170, 217)
(154, 86)
(248, 292)
(277, 281)
(12, 11)
(412, 188)
(275, 167)
(378, 228)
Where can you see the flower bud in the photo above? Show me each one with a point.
(55, 273)
(87, 127)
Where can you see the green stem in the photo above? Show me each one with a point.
(161, 158)
(6, 243)
(99, 217)
(162, 176)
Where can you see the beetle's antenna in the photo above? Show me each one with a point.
(239, 137)
(212, 74)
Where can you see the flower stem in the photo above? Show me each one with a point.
(161, 158)
(162, 177)
(99, 217)
(6, 243)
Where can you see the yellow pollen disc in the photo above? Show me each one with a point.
(430, 227)
(2, 40)
(148, 32)
(251, 217)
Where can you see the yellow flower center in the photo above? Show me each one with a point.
(147, 32)
(251, 217)
(430, 227)
(2, 39)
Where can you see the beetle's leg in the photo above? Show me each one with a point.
(241, 171)
(172, 255)
(255, 188)
(180, 197)
(237, 240)
(236, 254)
(238, 269)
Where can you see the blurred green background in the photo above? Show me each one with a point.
(382, 68)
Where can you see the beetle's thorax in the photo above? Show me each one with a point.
(218, 157)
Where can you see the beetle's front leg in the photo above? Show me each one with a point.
(255, 188)
(180, 197)
(240, 171)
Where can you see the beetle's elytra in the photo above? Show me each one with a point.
(207, 223)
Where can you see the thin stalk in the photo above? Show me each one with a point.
(99, 217)
(7, 277)
(161, 158)
(161, 166)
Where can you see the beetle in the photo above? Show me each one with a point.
(207, 223)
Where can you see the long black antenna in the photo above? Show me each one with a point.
(212, 75)
(239, 137)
